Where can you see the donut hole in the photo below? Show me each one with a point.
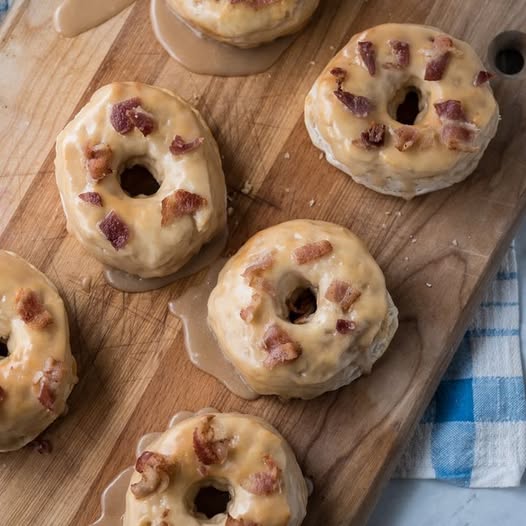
(137, 180)
(506, 54)
(406, 105)
(301, 305)
(4, 350)
(210, 499)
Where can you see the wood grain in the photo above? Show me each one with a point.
(134, 374)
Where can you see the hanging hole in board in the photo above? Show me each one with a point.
(507, 54)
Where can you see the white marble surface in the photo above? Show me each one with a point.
(432, 503)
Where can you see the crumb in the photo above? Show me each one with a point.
(320, 157)
(312, 202)
(413, 240)
(398, 213)
(312, 63)
(388, 213)
(269, 75)
(247, 188)
(428, 285)
(454, 243)
(332, 48)
(287, 155)
(287, 190)
(230, 211)
(384, 225)
(406, 258)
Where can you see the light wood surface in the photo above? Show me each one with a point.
(134, 373)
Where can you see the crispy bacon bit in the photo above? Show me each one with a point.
(119, 118)
(401, 53)
(142, 120)
(93, 198)
(98, 161)
(482, 77)
(342, 292)
(208, 450)
(41, 445)
(279, 346)
(311, 252)
(264, 482)
(180, 203)
(457, 132)
(115, 230)
(155, 470)
(405, 137)
(368, 55)
(31, 310)
(359, 106)
(3, 394)
(254, 273)
(247, 313)
(180, 147)
(340, 74)
(345, 326)
(230, 521)
(439, 57)
(373, 137)
(49, 381)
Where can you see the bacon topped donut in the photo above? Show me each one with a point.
(302, 309)
(146, 232)
(38, 372)
(244, 23)
(403, 109)
(241, 455)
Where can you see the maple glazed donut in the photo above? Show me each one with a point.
(403, 109)
(240, 455)
(244, 23)
(128, 127)
(37, 369)
(301, 309)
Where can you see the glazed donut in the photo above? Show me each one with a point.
(302, 309)
(239, 454)
(244, 23)
(131, 124)
(403, 109)
(38, 371)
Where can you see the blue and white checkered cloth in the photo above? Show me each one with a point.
(474, 431)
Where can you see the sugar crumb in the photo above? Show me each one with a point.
(287, 155)
(312, 202)
(428, 285)
(247, 188)
(454, 243)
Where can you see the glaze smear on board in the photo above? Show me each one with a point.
(74, 17)
(207, 56)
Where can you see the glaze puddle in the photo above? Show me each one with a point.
(206, 56)
(74, 17)
(200, 343)
(209, 253)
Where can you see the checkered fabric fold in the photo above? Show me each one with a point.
(474, 431)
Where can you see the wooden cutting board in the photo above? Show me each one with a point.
(134, 373)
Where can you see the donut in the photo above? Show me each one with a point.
(302, 309)
(240, 455)
(129, 132)
(37, 370)
(244, 23)
(403, 109)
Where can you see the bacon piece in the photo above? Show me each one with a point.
(93, 198)
(247, 313)
(155, 470)
(31, 310)
(142, 120)
(120, 119)
(311, 252)
(179, 146)
(264, 482)
(439, 57)
(373, 137)
(401, 53)
(3, 394)
(457, 132)
(180, 203)
(115, 230)
(98, 161)
(343, 293)
(359, 106)
(482, 77)
(368, 55)
(230, 521)
(450, 110)
(340, 74)
(49, 381)
(345, 326)
(279, 346)
(405, 137)
(208, 450)
(41, 446)
(254, 273)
